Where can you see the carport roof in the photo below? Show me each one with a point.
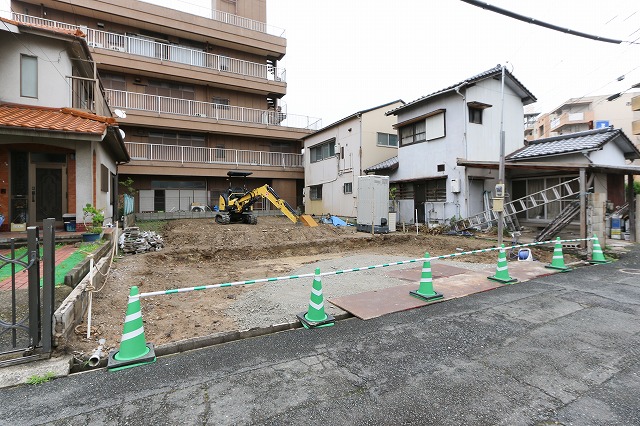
(590, 140)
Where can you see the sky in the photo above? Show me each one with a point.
(344, 56)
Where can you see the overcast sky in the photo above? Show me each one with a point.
(345, 56)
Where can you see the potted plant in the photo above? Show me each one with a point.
(95, 218)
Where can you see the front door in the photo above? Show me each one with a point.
(48, 194)
(47, 187)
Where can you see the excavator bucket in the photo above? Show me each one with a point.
(307, 220)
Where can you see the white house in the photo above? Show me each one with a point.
(57, 137)
(337, 154)
(462, 121)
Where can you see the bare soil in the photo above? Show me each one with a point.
(201, 252)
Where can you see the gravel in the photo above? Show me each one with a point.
(278, 302)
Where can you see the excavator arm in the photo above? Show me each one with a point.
(243, 204)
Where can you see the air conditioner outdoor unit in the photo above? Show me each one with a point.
(118, 48)
(197, 114)
(95, 44)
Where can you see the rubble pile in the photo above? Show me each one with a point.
(133, 241)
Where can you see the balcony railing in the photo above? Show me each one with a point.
(566, 119)
(164, 52)
(190, 154)
(165, 105)
(227, 18)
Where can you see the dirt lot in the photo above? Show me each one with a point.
(200, 252)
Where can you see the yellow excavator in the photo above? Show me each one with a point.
(236, 206)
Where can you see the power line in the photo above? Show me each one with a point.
(534, 21)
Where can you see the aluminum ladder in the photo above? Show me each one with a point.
(531, 201)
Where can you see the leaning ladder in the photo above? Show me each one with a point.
(537, 199)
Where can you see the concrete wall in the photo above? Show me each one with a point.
(53, 66)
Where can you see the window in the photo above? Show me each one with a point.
(104, 178)
(414, 132)
(29, 76)
(475, 115)
(387, 139)
(180, 139)
(315, 192)
(441, 167)
(436, 190)
(421, 130)
(348, 187)
(322, 151)
(219, 151)
(220, 101)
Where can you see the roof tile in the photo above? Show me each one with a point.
(59, 119)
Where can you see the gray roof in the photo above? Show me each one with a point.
(355, 114)
(390, 164)
(526, 96)
(590, 140)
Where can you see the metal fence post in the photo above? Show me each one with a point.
(48, 282)
(34, 286)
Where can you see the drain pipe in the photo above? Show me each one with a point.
(94, 359)
(90, 289)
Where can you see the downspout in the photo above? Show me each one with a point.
(464, 141)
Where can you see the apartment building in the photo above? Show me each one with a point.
(196, 95)
(586, 113)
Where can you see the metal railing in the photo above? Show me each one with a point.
(191, 154)
(177, 106)
(164, 51)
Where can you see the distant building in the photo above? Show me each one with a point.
(587, 113)
(201, 95)
(336, 155)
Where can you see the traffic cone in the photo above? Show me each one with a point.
(315, 317)
(502, 270)
(426, 292)
(557, 262)
(133, 348)
(597, 256)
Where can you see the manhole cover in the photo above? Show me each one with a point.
(631, 271)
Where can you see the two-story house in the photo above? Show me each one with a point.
(59, 145)
(462, 121)
(337, 154)
(201, 95)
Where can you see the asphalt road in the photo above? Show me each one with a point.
(562, 349)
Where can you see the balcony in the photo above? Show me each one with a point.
(165, 52)
(206, 110)
(190, 154)
(569, 119)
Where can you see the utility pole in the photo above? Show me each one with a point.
(498, 201)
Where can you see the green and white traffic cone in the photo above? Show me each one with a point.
(134, 350)
(502, 270)
(315, 317)
(557, 262)
(597, 256)
(426, 291)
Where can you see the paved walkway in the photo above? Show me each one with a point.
(21, 277)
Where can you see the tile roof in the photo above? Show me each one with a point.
(74, 32)
(590, 140)
(390, 164)
(497, 70)
(57, 119)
